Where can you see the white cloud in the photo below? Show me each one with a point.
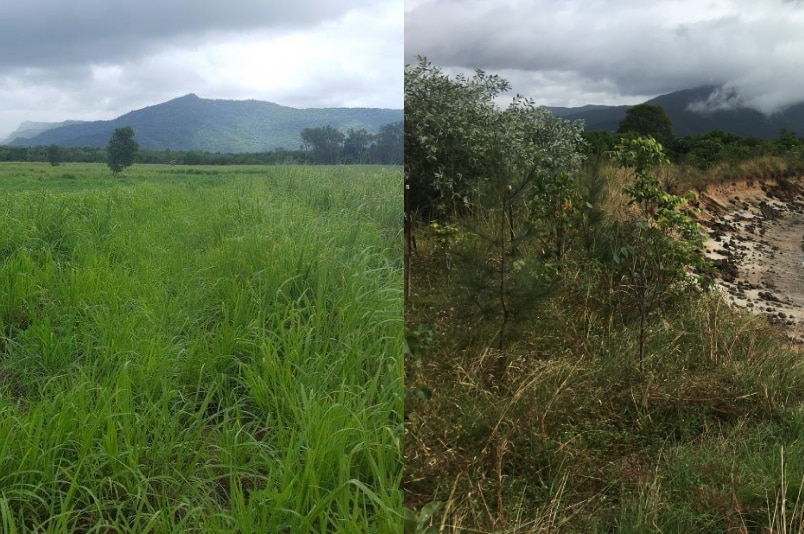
(325, 53)
(618, 50)
(721, 99)
(344, 63)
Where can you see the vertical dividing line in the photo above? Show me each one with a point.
(408, 240)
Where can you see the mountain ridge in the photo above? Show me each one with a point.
(731, 117)
(29, 129)
(189, 122)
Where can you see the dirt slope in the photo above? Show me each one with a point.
(755, 240)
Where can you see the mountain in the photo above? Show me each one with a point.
(698, 111)
(594, 117)
(193, 123)
(30, 129)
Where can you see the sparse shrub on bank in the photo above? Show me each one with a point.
(606, 414)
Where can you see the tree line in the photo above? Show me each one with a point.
(355, 147)
(56, 154)
(329, 146)
(700, 151)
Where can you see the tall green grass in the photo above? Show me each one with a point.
(200, 352)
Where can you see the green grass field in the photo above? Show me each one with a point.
(200, 349)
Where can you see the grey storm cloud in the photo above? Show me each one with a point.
(97, 59)
(47, 33)
(620, 49)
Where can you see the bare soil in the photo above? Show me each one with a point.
(756, 233)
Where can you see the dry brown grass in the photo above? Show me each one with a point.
(573, 437)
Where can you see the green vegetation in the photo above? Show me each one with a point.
(356, 147)
(328, 146)
(53, 155)
(461, 151)
(696, 155)
(647, 120)
(200, 349)
(654, 252)
(567, 369)
(171, 157)
(122, 149)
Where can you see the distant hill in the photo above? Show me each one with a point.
(193, 123)
(681, 107)
(30, 129)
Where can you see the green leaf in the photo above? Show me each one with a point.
(428, 510)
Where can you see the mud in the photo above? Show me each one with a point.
(756, 230)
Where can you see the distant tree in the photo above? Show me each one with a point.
(389, 144)
(356, 146)
(647, 120)
(324, 144)
(122, 149)
(53, 155)
(193, 157)
(752, 141)
(599, 142)
(787, 140)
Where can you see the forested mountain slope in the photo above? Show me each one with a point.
(696, 112)
(193, 123)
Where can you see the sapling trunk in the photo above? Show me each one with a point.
(643, 289)
(503, 307)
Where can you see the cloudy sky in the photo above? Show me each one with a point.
(576, 52)
(98, 59)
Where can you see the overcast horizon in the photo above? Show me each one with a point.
(613, 52)
(88, 61)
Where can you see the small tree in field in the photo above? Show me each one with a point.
(53, 155)
(122, 149)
